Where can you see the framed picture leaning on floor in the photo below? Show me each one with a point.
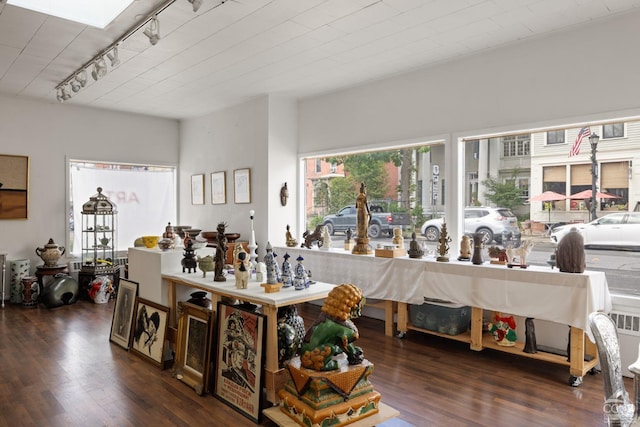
(149, 330)
(240, 359)
(123, 313)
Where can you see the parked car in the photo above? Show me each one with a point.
(620, 229)
(491, 222)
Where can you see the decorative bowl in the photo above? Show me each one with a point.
(232, 237)
(150, 241)
(211, 236)
(179, 229)
(198, 244)
(192, 232)
(165, 244)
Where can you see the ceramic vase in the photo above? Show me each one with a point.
(30, 291)
(17, 270)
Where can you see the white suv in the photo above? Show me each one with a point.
(491, 222)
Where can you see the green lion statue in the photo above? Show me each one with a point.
(334, 332)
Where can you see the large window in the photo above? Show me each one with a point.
(145, 196)
(555, 179)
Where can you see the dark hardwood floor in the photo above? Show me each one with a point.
(58, 368)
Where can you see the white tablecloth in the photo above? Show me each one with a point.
(537, 292)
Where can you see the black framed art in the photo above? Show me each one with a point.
(123, 312)
(149, 331)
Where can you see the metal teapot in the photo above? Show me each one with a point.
(50, 253)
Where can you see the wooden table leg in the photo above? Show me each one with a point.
(476, 328)
(402, 318)
(576, 352)
(171, 286)
(388, 317)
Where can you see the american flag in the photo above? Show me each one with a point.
(575, 149)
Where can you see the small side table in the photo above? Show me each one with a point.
(43, 270)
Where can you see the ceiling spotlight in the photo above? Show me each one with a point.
(79, 81)
(63, 94)
(196, 4)
(113, 57)
(153, 30)
(99, 69)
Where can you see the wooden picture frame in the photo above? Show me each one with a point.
(242, 185)
(193, 346)
(123, 313)
(149, 331)
(218, 188)
(14, 187)
(240, 359)
(197, 189)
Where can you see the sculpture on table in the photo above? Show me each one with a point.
(443, 244)
(276, 267)
(415, 251)
(300, 275)
(520, 253)
(311, 238)
(205, 264)
(326, 238)
(270, 262)
(189, 261)
(287, 273)
(363, 216)
(290, 241)
(570, 257)
(329, 382)
(398, 239)
(348, 241)
(241, 266)
(221, 253)
(465, 248)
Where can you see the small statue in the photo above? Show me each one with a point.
(311, 238)
(326, 238)
(221, 253)
(443, 244)
(334, 332)
(189, 261)
(520, 254)
(415, 251)
(348, 241)
(205, 264)
(291, 242)
(398, 239)
(570, 257)
(277, 268)
(504, 330)
(530, 345)
(300, 275)
(363, 217)
(241, 266)
(261, 271)
(465, 248)
(270, 262)
(171, 235)
(287, 278)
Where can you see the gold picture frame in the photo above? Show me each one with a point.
(197, 189)
(14, 186)
(218, 188)
(242, 185)
(192, 364)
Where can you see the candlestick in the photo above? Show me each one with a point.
(252, 245)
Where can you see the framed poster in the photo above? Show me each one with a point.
(14, 186)
(197, 189)
(193, 346)
(240, 359)
(149, 331)
(242, 185)
(123, 312)
(218, 188)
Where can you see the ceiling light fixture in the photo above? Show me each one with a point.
(113, 57)
(196, 4)
(153, 30)
(111, 52)
(99, 69)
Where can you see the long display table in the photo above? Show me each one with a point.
(536, 292)
(270, 302)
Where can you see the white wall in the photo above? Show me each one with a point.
(234, 138)
(49, 133)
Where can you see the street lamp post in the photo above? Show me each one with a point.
(593, 140)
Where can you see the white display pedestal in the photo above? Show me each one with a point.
(146, 267)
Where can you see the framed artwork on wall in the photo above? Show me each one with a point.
(197, 189)
(242, 185)
(218, 188)
(123, 312)
(240, 359)
(14, 186)
(193, 346)
(149, 331)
